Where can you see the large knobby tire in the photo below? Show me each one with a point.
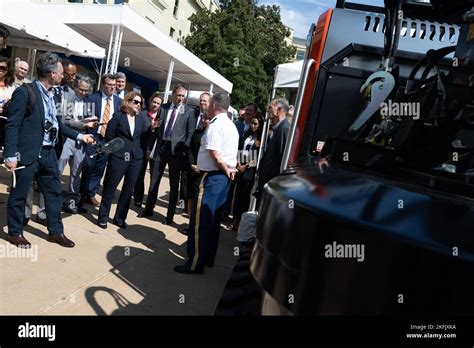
(242, 295)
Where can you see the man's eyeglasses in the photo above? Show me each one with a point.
(136, 102)
(3, 68)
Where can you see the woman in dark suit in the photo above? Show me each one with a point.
(246, 162)
(130, 126)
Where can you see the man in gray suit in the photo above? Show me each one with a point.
(177, 124)
(76, 118)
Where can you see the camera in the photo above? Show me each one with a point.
(52, 131)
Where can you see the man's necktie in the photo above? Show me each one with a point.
(106, 117)
(169, 126)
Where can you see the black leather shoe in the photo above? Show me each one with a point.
(62, 240)
(82, 210)
(138, 204)
(41, 221)
(167, 222)
(185, 231)
(25, 221)
(186, 270)
(102, 224)
(120, 224)
(19, 241)
(144, 213)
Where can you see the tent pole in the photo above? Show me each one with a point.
(109, 51)
(168, 81)
(211, 87)
(100, 73)
(117, 46)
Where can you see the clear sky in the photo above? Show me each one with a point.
(300, 14)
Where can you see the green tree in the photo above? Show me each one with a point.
(243, 42)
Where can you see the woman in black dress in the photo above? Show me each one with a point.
(246, 165)
(147, 142)
(193, 179)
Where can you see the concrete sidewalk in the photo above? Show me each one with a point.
(109, 272)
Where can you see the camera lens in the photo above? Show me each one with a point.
(53, 132)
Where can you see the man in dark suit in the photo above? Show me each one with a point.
(204, 100)
(29, 141)
(270, 162)
(102, 104)
(121, 80)
(244, 124)
(177, 124)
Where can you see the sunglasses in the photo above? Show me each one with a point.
(4, 68)
(136, 102)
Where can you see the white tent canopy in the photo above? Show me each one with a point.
(31, 26)
(144, 49)
(288, 75)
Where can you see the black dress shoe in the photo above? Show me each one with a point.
(185, 269)
(82, 210)
(25, 221)
(19, 241)
(119, 224)
(185, 231)
(62, 240)
(41, 221)
(144, 213)
(138, 204)
(102, 224)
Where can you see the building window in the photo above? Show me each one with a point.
(75, 1)
(103, 2)
(119, 2)
(175, 10)
(172, 32)
(300, 54)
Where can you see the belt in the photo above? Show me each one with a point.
(47, 147)
(165, 141)
(212, 172)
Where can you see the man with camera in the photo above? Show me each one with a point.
(30, 136)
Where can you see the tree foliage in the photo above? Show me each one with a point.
(243, 42)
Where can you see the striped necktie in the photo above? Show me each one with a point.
(106, 117)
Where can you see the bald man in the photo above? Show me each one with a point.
(21, 70)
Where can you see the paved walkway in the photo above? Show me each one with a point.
(112, 271)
